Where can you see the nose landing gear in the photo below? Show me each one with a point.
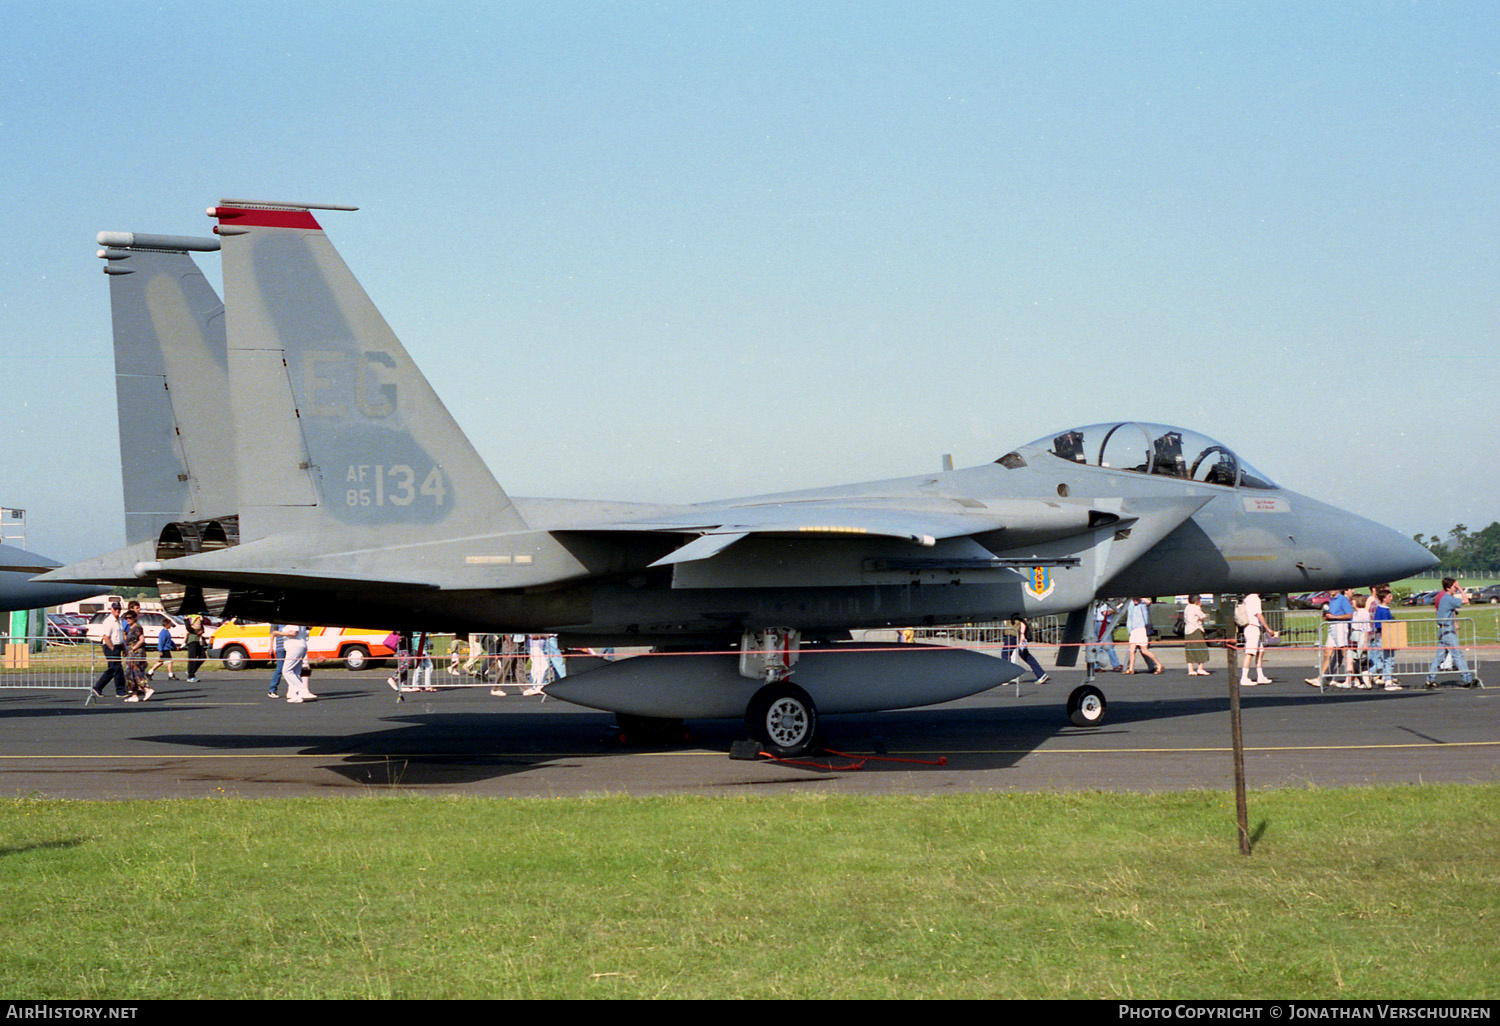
(1086, 706)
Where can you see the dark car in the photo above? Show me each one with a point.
(66, 629)
(1489, 593)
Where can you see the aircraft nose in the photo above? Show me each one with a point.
(1347, 551)
(1374, 553)
(1406, 558)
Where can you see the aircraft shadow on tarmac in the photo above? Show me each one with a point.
(446, 749)
(421, 744)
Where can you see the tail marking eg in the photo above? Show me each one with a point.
(359, 437)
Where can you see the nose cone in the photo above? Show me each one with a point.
(1354, 551)
(18, 591)
(1405, 558)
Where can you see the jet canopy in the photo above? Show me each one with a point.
(1154, 449)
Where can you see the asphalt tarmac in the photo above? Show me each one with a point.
(223, 737)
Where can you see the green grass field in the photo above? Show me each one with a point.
(1356, 893)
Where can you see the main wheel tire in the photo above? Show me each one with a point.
(234, 658)
(783, 717)
(1086, 706)
(356, 658)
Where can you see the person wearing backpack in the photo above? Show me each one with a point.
(1252, 623)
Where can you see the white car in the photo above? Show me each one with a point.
(151, 622)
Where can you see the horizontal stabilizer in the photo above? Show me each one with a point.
(19, 560)
(118, 567)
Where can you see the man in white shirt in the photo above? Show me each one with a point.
(113, 641)
(1256, 630)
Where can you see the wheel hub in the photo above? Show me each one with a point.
(786, 722)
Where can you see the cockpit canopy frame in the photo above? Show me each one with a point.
(1156, 449)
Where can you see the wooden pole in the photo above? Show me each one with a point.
(1236, 735)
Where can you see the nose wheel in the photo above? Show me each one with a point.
(1086, 706)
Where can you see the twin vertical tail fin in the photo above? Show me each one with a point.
(171, 381)
(285, 434)
(338, 435)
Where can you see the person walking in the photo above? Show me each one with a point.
(1256, 630)
(135, 659)
(278, 657)
(294, 652)
(113, 642)
(1195, 646)
(1019, 646)
(194, 647)
(1382, 659)
(1449, 602)
(401, 679)
(1336, 614)
(1138, 623)
(165, 647)
(421, 679)
(1104, 643)
(1359, 640)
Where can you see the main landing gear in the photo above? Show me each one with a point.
(781, 716)
(783, 719)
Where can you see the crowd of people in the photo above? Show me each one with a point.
(1356, 652)
(533, 661)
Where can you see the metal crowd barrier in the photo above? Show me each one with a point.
(46, 663)
(1044, 631)
(1414, 643)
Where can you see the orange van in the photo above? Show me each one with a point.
(239, 645)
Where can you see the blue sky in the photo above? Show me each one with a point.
(690, 251)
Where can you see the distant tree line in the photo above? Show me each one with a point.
(1469, 552)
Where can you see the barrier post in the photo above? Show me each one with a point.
(1231, 638)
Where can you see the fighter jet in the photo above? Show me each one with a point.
(19, 591)
(357, 499)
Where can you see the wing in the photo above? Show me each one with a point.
(997, 524)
